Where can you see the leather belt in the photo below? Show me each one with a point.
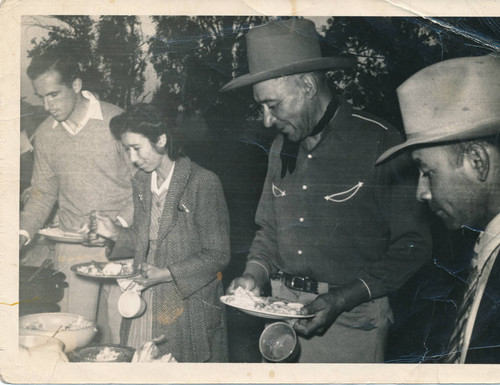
(305, 284)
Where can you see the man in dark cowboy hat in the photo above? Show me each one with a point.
(336, 233)
(451, 114)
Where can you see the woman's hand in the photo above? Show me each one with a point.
(106, 227)
(152, 275)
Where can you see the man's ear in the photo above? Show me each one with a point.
(478, 159)
(310, 84)
(77, 85)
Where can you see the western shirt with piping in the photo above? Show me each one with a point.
(338, 218)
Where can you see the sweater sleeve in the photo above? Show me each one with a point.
(127, 210)
(211, 221)
(126, 243)
(43, 195)
(409, 245)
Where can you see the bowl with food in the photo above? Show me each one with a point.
(73, 330)
(103, 353)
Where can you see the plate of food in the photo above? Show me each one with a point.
(105, 270)
(103, 353)
(58, 235)
(264, 307)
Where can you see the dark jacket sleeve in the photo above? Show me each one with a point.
(409, 242)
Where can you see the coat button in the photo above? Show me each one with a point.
(309, 156)
(299, 252)
(301, 219)
(304, 187)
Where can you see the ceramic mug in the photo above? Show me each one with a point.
(278, 342)
(131, 304)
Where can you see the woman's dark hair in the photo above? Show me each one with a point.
(147, 120)
(58, 60)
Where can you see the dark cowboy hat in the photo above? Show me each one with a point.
(282, 48)
(454, 100)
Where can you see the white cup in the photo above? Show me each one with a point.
(131, 304)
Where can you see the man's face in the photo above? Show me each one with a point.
(447, 186)
(284, 106)
(58, 98)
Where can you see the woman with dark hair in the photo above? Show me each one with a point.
(179, 239)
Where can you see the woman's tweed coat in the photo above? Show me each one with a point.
(193, 243)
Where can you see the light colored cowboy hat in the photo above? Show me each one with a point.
(454, 100)
(282, 48)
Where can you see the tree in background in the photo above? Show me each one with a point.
(109, 51)
(391, 49)
(76, 34)
(194, 57)
(122, 61)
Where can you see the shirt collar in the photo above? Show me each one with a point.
(488, 238)
(165, 185)
(94, 111)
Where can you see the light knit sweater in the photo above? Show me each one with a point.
(83, 172)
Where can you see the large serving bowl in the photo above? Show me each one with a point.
(103, 353)
(72, 329)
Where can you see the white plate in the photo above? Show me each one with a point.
(262, 313)
(58, 235)
(74, 269)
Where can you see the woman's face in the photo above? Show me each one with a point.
(142, 152)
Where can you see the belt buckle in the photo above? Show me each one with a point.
(306, 284)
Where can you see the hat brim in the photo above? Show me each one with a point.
(484, 129)
(316, 64)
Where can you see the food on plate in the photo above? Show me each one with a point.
(107, 354)
(247, 300)
(112, 268)
(100, 269)
(79, 323)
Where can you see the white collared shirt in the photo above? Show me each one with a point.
(164, 186)
(93, 112)
(487, 249)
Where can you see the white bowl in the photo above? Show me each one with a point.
(30, 341)
(76, 331)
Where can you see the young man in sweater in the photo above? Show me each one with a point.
(78, 165)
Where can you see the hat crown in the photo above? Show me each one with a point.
(282, 48)
(451, 96)
(454, 100)
(281, 43)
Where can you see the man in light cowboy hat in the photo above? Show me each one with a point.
(336, 233)
(451, 115)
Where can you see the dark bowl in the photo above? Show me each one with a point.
(117, 353)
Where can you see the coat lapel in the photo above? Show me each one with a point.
(178, 183)
(142, 184)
